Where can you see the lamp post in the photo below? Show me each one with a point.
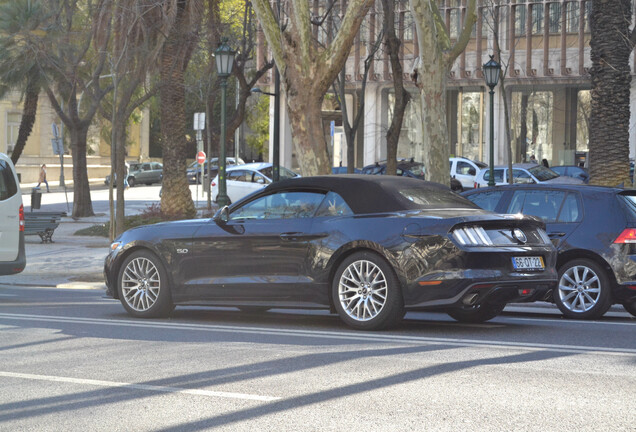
(492, 69)
(224, 57)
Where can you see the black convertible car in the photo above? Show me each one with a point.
(367, 247)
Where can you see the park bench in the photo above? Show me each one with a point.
(42, 224)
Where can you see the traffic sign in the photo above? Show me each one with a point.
(201, 157)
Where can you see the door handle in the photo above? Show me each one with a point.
(556, 234)
(290, 236)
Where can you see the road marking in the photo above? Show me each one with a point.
(344, 335)
(134, 386)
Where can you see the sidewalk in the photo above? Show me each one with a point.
(70, 262)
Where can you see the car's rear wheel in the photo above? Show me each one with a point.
(366, 292)
(630, 307)
(477, 314)
(143, 286)
(584, 290)
(131, 181)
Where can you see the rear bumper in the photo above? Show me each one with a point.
(484, 292)
(17, 266)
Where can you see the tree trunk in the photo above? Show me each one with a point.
(435, 140)
(120, 168)
(609, 123)
(310, 143)
(82, 204)
(28, 117)
(176, 198)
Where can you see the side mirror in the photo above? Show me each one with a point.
(223, 215)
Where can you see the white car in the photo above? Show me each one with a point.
(523, 173)
(465, 170)
(242, 180)
(12, 255)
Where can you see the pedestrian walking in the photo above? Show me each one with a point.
(42, 178)
(545, 163)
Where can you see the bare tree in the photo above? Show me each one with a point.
(308, 69)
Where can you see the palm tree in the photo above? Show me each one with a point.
(21, 28)
(609, 120)
(176, 199)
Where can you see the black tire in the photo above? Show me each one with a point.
(630, 307)
(150, 300)
(254, 309)
(370, 279)
(131, 181)
(476, 314)
(583, 291)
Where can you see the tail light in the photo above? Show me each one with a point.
(212, 184)
(627, 236)
(475, 185)
(21, 213)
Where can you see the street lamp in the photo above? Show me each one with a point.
(276, 138)
(224, 57)
(492, 69)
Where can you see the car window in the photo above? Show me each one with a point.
(425, 198)
(487, 200)
(521, 177)
(498, 174)
(465, 168)
(417, 169)
(542, 173)
(283, 173)
(281, 205)
(571, 210)
(8, 187)
(145, 167)
(333, 205)
(544, 204)
(559, 170)
(157, 166)
(238, 175)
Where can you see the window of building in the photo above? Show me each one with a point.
(455, 23)
(520, 19)
(588, 12)
(13, 126)
(471, 124)
(531, 122)
(572, 17)
(409, 26)
(555, 17)
(537, 18)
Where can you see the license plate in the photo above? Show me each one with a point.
(528, 263)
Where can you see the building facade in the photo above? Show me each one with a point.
(545, 56)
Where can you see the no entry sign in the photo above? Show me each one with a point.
(201, 157)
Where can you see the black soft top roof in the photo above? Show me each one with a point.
(365, 193)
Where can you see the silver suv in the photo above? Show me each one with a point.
(12, 255)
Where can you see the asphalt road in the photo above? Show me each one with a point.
(73, 360)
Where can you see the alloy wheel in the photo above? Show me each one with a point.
(362, 290)
(141, 284)
(579, 288)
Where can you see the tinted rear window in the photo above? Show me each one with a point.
(435, 198)
(630, 201)
(8, 187)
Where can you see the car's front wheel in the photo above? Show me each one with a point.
(477, 314)
(630, 307)
(143, 286)
(366, 292)
(584, 290)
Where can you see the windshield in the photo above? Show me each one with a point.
(283, 173)
(542, 173)
(416, 169)
(425, 198)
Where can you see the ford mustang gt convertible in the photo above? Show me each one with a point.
(366, 247)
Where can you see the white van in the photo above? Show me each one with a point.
(12, 255)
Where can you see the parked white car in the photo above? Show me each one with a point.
(242, 180)
(12, 255)
(523, 173)
(465, 170)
